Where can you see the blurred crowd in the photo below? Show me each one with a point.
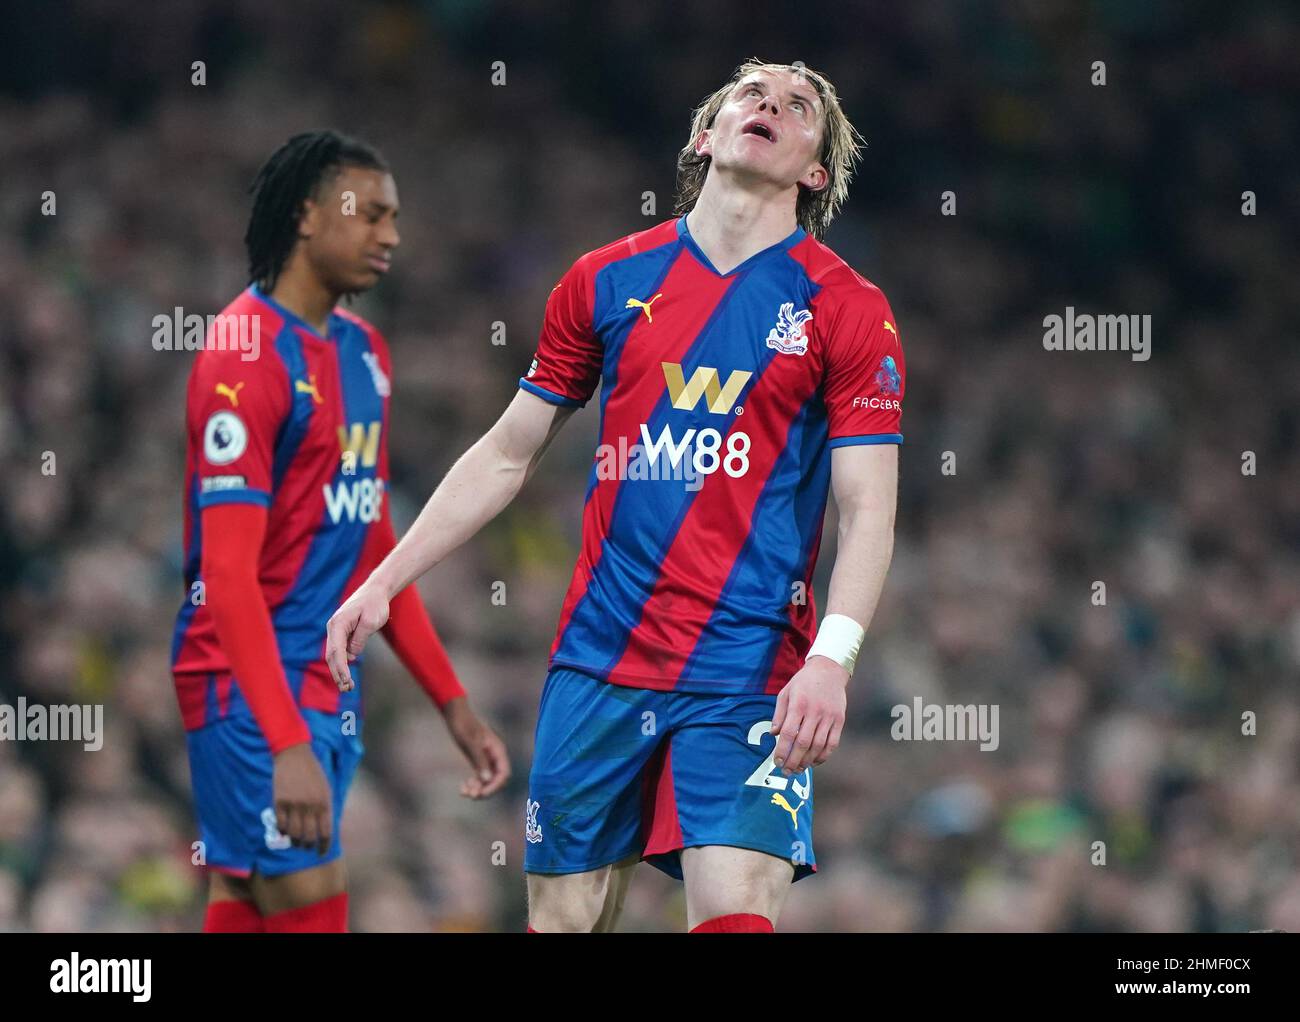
(1149, 759)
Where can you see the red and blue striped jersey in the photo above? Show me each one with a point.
(721, 398)
(301, 429)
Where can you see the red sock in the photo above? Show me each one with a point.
(328, 916)
(741, 922)
(233, 917)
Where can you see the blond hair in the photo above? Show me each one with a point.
(841, 146)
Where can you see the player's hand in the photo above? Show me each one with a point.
(810, 715)
(303, 804)
(363, 614)
(481, 746)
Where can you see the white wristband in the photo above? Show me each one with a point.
(839, 638)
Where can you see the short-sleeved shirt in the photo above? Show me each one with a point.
(301, 429)
(721, 398)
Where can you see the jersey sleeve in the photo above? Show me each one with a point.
(235, 410)
(567, 364)
(864, 374)
(232, 544)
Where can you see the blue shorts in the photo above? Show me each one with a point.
(231, 772)
(621, 771)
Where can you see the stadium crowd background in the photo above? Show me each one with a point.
(1119, 723)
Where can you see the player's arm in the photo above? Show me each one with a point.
(482, 482)
(863, 391)
(232, 545)
(488, 476)
(864, 480)
(811, 709)
(235, 409)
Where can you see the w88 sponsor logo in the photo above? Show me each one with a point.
(707, 455)
(355, 500)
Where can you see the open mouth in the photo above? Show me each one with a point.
(760, 129)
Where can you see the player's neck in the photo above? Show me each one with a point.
(731, 223)
(301, 292)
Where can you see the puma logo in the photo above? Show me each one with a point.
(303, 387)
(636, 303)
(779, 800)
(890, 327)
(231, 392)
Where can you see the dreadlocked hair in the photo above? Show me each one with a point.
(286, 180)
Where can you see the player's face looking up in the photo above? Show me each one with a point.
(769, 130)
(348, 230)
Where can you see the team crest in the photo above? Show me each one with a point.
(887, 378)
(787, 337)
(532, 829)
